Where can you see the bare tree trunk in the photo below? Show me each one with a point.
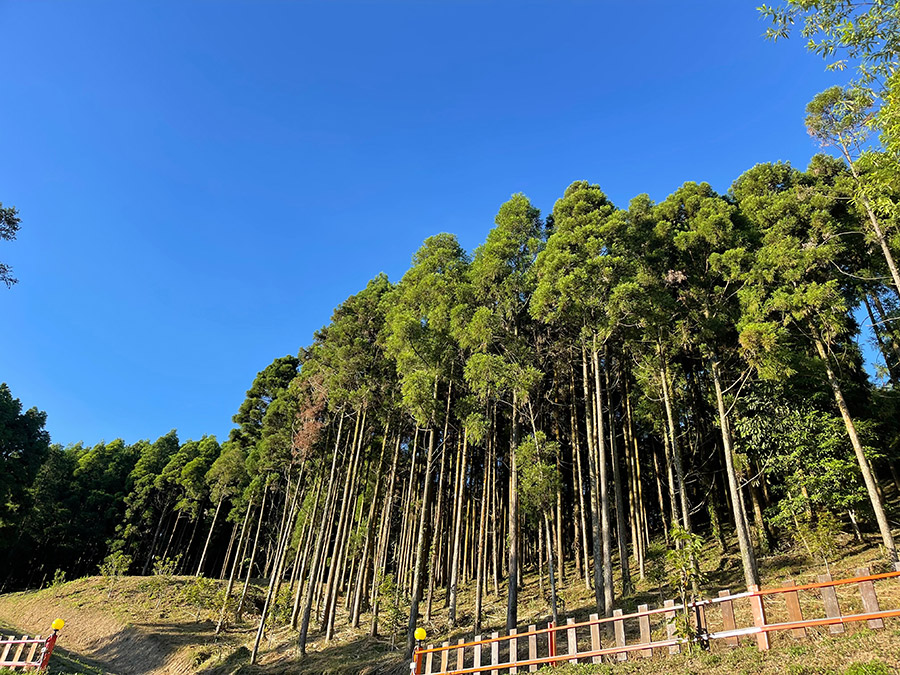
(208, 538)
(274, 579)
(581, 511)
(343, 528)
(438, 518)
(384, 536)
(603, 478)
(659, 493)
(596, 540)
(513, 535)
(621, 526)
(884, 527)
(238, 613)
(162, 515)
(308, 554)
(235, 566)
(367, 546)
(419, 571)
(178, 518)
(550, 570)
(480, 552)
(676, 464)
(748, 558)
(318, 556)
(454, 566)
(234, 531)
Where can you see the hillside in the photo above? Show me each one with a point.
(165, 625)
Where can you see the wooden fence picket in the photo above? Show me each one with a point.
(595, 639)
(728, 617)
(532, 648)
(832, 608)
(620, 635)
(869, 598)
(644, 622)
(495, 653)
(792, 600)
(670, 626)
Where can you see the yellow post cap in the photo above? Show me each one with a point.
(420, 633)
(57, 624)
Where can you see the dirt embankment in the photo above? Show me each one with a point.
(94, 634)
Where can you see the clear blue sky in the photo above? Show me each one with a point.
(201, 183)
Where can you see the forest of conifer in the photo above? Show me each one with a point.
(558, 398)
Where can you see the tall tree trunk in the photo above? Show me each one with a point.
(454, 566)
(307, 546)
(367, 546)
(318, 557)
(275, 578)
(234, 531)
(235, 567)
(748, 557)
(676, 463)
(424, 520)
(580, 510)
(550, 570)
(480, 550)
(384, 536)
(513, 515)
(343, 527)
(621, 527)
(238, 613)
(208, 538)
(596, 539)
(162, 515)
(602, 460)
(884, 527)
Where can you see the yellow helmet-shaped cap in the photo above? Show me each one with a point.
(57, 624)
(420, 633)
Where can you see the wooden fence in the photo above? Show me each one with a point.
(725, 619)
(27, 653)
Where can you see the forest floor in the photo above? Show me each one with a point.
(153, 625)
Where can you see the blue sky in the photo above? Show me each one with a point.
(201, 183)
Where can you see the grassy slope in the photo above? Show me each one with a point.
(146, 627)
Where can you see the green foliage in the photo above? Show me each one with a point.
(684, 574)
(538, 474)
(865, 33)
(9, 227)
(818, 535)
(115, 565)
(655, 566)
(59, 578)
(202, 594)
(163, 572)
(392, 616)
(24, 445)
(873, 667)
